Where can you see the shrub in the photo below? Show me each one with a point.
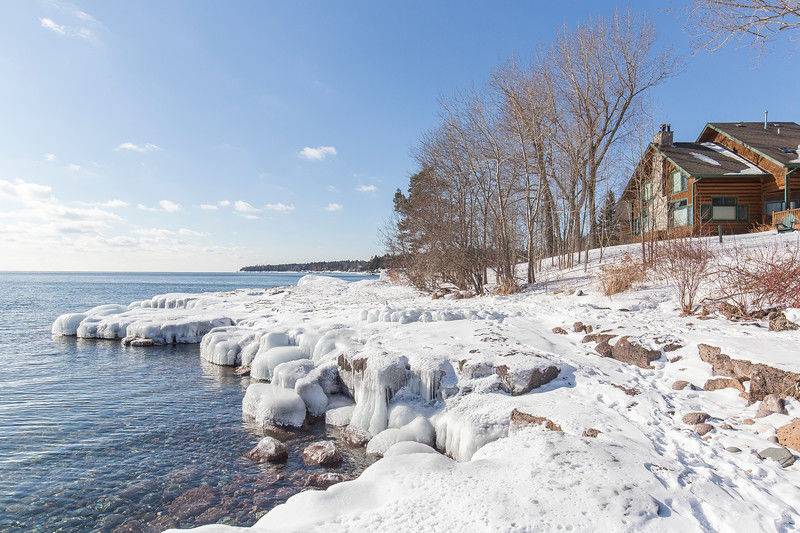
(684, 263)
(758, 279)
(621, 276)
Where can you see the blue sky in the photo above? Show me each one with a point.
(195, 135)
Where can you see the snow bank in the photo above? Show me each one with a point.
(407, 316)
(418, 430)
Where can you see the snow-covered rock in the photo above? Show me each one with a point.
(288, 373)
(229, 346)
(418, 430)
(373, 380)
(270, 405)
(408, 447)
(265, 362)
(67, 324)
(339, 416)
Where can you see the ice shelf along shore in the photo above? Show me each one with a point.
(498, 412)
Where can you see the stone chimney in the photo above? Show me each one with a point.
(664, 136)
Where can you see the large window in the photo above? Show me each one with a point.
(724, 209)
(771, 207)
(679, 182)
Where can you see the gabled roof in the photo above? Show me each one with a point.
(781, 147)
(703, 160)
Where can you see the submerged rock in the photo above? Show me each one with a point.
(324, 480)
(322, 453)
(269, 450)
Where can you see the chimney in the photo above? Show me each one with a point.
(664, 136)
(766, 115)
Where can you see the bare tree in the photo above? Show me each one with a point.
(721, 21)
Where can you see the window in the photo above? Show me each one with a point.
(647, 191)
(771, 207)
(679, 182)
(680, 213)
(724, 208)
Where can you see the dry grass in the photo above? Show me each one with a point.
(761, 228)
(621, 276)
(506, 287)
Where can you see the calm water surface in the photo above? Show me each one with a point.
(95, 436)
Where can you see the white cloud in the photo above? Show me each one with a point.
(251, 217)
(240, 206)
(83, 15)
(114, 203)
(366, 188)
(332, 188)
(24, 191)
(51, 25)
(169, 206)
(208, 207)
(142, 149)
(73, 167)
(317, 154)
(333, 206)
(49, 157)
(166, 206)
(224, 203)
(279, 207)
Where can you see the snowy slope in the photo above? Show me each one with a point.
(413, 364)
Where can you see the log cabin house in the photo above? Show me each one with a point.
(735, 176)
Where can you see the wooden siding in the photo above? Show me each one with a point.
(747, 191)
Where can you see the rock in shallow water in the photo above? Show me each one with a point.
(322, 453)
(269, 450)
(325, 479)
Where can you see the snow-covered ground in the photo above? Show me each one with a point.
(505, 400)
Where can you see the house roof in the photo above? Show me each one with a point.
(780, 147)
(709, 160)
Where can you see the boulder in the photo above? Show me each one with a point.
(772, 403)
(733, 449)
(723, 383)
(789, 434)
(783, 456)
(702, 429)
(324, 480)
(580, 327)
(680, 385)
(630, 391)
(598, 337)
(474, 369)
(764, 379)
(672, 346)
(559, 330)
(522, 380)
(591, 432)
(694, 418)
(355, 437)
(322, 453)
(779, 322)
(633, 353)
(269, 450)
(519, 418)
(273, 406)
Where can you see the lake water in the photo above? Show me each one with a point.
(95, 436)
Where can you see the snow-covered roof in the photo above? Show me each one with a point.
(778, 141)
(709, 159)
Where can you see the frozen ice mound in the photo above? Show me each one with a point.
(372, 380)
(67, 324)
(469, 424)
(286, 374)
(408, 447)
(265, 362)
(269, 404)
(230, 346)
(418, 430)
(339, 416)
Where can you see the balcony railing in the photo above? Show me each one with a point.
(779, 216)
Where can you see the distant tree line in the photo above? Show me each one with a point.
(377, 262)
(519, 170)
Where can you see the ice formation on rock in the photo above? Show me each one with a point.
(418, 430)
(230, 346)
(287, 374)
(408, 447)
(265, 361)
(268, 404)
(67, 324)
